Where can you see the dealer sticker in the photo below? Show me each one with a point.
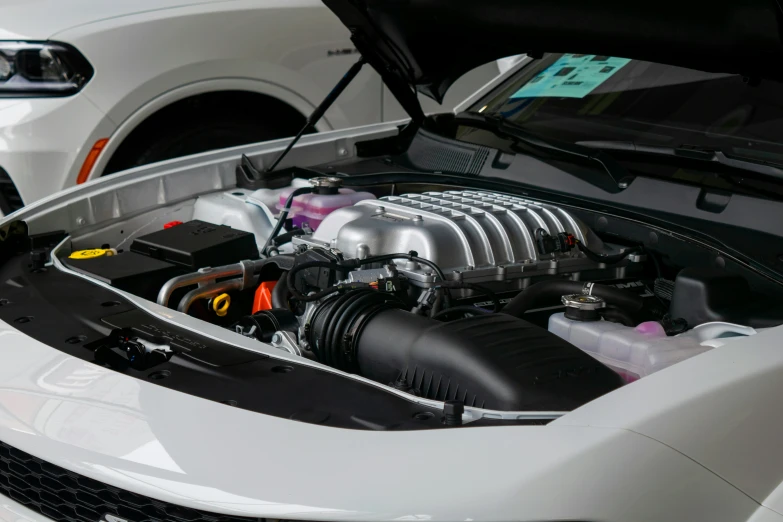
(572, 76)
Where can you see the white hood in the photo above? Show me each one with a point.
(42, 19)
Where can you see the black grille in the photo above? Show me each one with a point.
(433, 153)
(10, 200)
(64, 496)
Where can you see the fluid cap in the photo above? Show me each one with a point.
(221, 304)
(93, 253)
(581, 307)
(326, 185)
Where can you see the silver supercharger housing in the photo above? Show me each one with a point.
(473, 236)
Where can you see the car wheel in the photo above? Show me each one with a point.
(202, 123)
(198, 137)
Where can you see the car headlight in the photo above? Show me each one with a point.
(41, 69)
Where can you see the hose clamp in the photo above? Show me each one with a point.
(587, 289)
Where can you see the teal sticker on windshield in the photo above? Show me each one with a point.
(572, 76)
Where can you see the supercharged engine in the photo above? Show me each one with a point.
(490, 300)
(472, 236)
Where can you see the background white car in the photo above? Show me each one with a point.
(140, 81)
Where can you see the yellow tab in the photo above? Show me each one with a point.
(221, 304)
(92, 254)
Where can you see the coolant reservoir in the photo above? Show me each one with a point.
(635, 352)
(269, 197)
(327, 197)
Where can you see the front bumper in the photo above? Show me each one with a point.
(44, 141)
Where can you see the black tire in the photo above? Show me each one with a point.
(195, 137)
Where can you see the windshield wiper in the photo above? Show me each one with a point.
(515, 132)
(691, 152)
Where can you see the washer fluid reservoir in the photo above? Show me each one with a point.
(328, 196)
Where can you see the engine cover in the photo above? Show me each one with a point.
(473, 236)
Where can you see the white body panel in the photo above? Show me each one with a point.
(205, 455)
(696, 441)
(148, 55)
(717, 408)
(40, 19)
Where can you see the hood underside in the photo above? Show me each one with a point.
(429, 44)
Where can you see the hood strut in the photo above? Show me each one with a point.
(319, 111)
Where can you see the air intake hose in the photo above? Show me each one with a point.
(492, 361)
(547, 293)
(337, 324)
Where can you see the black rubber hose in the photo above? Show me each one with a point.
(615, 314)
(346, 316)
(329, 324)
(547, 292)
(284, 215)
(335, 324)
(280, 292)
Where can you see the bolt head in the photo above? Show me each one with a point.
(277, 338)
(81, 221)
(453, 408)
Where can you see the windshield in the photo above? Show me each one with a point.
(589, 98)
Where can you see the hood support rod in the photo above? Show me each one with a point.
(319, 111)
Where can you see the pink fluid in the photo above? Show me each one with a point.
(313, 208)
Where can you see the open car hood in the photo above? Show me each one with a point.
(429, 44)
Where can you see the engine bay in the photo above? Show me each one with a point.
(473, 298)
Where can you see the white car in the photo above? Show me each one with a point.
(92, 87)
(561, 303)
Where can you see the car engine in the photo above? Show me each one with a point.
(485, 299)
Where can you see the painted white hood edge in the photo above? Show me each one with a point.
(720, 408)
(205, 455)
